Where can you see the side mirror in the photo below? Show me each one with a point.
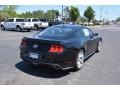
(95, 34)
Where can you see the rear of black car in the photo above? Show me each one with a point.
(51, 47)
(47, 52)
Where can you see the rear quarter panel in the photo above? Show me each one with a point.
(75, 43)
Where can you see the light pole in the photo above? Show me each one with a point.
(62, 13)
(106, 13)
(101, 13)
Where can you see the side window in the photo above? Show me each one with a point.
(19, 20)
(35, 20)
(10, 20)
(79, 33)
(27, 20)
(90, 31)
(86, 32)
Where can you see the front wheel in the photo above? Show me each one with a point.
(79, 60)
(28, 30)
(2, 27)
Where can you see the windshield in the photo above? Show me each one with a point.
(56, 32)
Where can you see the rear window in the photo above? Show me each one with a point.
(56, 32)
(19, 20)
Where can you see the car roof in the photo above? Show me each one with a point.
(70, 25)
(15, 18)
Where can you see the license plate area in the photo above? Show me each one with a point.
(34, 55)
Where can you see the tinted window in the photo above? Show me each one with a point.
(79, 33)
(10, 20)
(90, 31)
(19, 20)
(35, 20)
(87, 32)
(43, 20)
(57, 32)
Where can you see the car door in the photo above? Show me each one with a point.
(89, 40)
(93, 37)
(8, 23)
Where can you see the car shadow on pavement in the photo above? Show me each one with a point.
(44, 71)
(15, 31)
(41, 71)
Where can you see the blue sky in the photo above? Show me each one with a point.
(110, 12)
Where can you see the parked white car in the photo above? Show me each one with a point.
(37, 23)
(41, 25)
(32, 21)
(91, 24)
(18, 24)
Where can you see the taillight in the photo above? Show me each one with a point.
(23, 44)
(55, 48)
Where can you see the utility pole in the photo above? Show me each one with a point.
(62, 13)
(101, 13)
(106, 13)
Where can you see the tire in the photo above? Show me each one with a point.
(18, 29)
(28, 30)
(36, 27)
(2, 27)
(79, 60)
(99, 46)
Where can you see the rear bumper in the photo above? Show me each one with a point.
(42, 26)
(55, 61)
(61, 66)
(27, 27)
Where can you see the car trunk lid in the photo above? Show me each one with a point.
(42, 45)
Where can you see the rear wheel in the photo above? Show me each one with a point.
(36, 27)
(2, 27)
(79, 60)
(18, 29)
(99, 46)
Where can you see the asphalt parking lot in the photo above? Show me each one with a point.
(101, 68)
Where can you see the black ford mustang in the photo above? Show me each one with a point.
(60, 46)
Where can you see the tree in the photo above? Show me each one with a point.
(118, 19)
(3, 15)
(83, 19)
(89, 13)
(33, 14)
(51, 15)
(57, 14)
(66, 13)
(74, 13)
(78, 21)
(10, 9)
